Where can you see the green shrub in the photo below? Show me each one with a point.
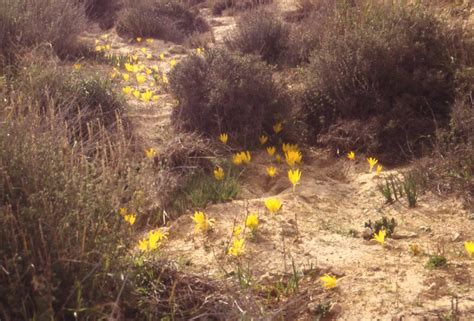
(226, 92)
(26, 24)
(261, 33)
(390, 68)
(436, 261)
(164, 19)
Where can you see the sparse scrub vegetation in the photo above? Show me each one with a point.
(224, 92)
(26, 24)
(170, 20)
(212, 206)
(369, 70)
(261, 33)
(219, 6)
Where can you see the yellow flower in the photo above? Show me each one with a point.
(136, 93)
(165, 79)
(148, 71)
(294, 176)
(143, 49)
(469, 246)
(149, 56)
(278, 158)
(155, 68)
(162, 56)
(224, 138)
(135, 58)
(237, 248)
(149, 40)
(155, 98)
(130, 218)
(242, 157)
(140, 78)
(379, 169)
(127, 90)
(252, 222)
(150, 153)
(351, 156)
(271, 171)
(130, 67)
(380, 237)
(123, 211)
(107, 47)
(105, 36)
(200, 51)
(77, 66)
(273, 205)
(139, 39)
(99, 48)
(173, 62)
(153, 241)
(293, 157)
(372, 161)
(263, 139)
(271, 150)
(289, 147)
(278, 127)
(125, 77)
(219, 173)
(203, 224)
(237, 231)
(329, 281)
(146, 96)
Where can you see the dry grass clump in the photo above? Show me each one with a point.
(26, 24)
(368, 69)
(219, 6)
(170, 20)
(61, 231)
(223, 92)
(261, 33)
(86, 101)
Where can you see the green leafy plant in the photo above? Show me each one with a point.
(436, 261)
(410, 188)
(383, 224)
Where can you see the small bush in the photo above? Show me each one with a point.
(383, 224)
(392, 68)
(226, 92)
(26, 24)
(164, 19)
(86, 102)
(102, 11)
(261, 33)
(219, 6)
(61, 230)
(436, 261)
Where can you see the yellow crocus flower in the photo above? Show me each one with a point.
(273, 205)
(203, 224)
(469, 246)
(351, 156)
(263, 139)
(252, 222)
(223, 138)
(271, 150)
(150, 153)
(140, 78)
(380, 237)
(329, 281)
(237, 248)
(271, 171)
(278, 127)
(294, 176)
(372, 161)
(219, 173)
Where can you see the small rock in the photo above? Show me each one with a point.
(335, 309)
(367, 233)
(425, 228)
(455, 237)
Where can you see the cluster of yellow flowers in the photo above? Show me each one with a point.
(371, 160)
(152, 241)
(202, 222)
(130, 218)
(242, 158)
